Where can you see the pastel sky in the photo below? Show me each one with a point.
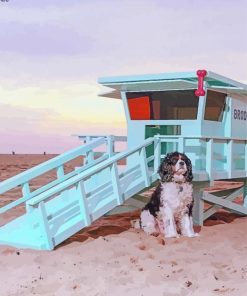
(53, 51)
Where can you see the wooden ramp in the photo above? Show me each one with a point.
(74, 200)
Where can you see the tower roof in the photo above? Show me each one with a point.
(170, 81)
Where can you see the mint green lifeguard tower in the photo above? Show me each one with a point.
(199, 113)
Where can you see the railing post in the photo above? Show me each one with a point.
(44, 226)
(115, 183)
(25, 189)
(88, 139)
(110, 145)
(89, 157)
(181, 144)
(209, 160)
(157, 153)
(245, 179)
(26, 193)
(60, 172)
(82, 199)
(229, 156)
(144, 166)
(245, 156)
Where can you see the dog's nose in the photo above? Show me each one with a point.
(181, 163)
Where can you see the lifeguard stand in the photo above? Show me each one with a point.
(199, 113)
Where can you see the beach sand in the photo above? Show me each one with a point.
(111, 258)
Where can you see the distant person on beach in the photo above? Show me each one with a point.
(13, 152)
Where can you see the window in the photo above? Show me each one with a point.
(215, 104)
(163, 105)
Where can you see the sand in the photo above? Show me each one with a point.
(111, 258)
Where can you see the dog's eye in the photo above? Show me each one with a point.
(174, 161)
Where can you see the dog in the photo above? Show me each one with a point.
(169, 211)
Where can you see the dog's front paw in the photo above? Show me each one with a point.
(170, 235)
(196, 234)
(192, 234)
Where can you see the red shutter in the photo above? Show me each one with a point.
(139, 108)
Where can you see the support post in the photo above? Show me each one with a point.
(209, 160)
(198, 208)
(144, 166)
(245, 193)
(116, 183)
(43, 221)
(245, 179)
(82, 199)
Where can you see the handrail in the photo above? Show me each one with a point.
(86, 136)
(88, 173)
(47, 166)
(199, 137)
(83, 172)
(50, 185)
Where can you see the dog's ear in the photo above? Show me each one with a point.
(188, 175)
(165, 170)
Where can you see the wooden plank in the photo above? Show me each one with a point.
(209, 212)
(224, 203)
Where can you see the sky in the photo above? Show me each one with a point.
(52, 53)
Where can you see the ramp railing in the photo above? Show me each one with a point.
(213, 158)
(91, 158)
(59, 211)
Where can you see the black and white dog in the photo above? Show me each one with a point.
(169, 210)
